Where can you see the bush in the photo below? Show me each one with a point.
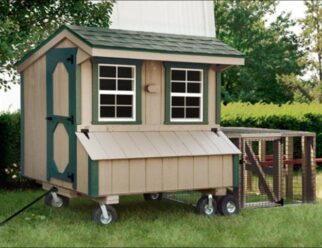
(297, 116)
(10, 152)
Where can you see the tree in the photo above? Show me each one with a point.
(312, 39)
(270, 51)
(25, 23)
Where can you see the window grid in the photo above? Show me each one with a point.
(117, 92)
(185, 95)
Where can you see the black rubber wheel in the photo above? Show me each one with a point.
(153, 197)
(228, 206)
(99, 218)
(203, 207)
(62, 202)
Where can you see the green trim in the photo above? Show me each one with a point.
(93, 177)
(138, 91)
(133, 33)
(205, 68)
(78, 95)
(22, 125)
(236, 170)
(53, 57)
(218, 97)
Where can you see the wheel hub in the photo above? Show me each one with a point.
(58, 202)
(154, 196)
(106, 220)
(231, 207)
(209, 210)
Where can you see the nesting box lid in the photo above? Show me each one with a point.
(147, 144)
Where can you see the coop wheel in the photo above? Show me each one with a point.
(56, 202)
(228, 206)
(203, 207)
(99, 218)
(153, 197)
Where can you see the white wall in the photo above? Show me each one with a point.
(176, 17)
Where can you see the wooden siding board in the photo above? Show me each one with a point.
(227, 171)
(185, 173)
(105, 177)
(120, 176)
(200, 172)
(170, 174)
(137, 175)
(215, 171)
(35, 126)
(153, 174)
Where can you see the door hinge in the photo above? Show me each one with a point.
(49, 118)
(71, 176)
(70, 59)
(71, 119)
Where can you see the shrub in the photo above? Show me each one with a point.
(297, 116)
(10, 151)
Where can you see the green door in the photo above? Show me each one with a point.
(61, 108)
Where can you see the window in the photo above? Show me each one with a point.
(186, 95)
(116, 92)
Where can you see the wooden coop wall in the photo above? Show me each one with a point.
(34, 124)
(152, 104)
(117, 177)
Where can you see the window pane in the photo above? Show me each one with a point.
(194, 88)
(177, 101)
(194, 75)
(124, 85)
(192, 112)
(107, 111)
(192, 101)
(107, 71)
(125, 72)
(177, 112)
(107, 84)
(124, 112)
(124, 100)
(178, 87)
(178, 75)
(107, 99)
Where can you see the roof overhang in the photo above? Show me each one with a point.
(65, 33)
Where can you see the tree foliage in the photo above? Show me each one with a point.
(24, 23)
(312, 39)
(271, 51)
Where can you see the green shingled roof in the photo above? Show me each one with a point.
(147, 41)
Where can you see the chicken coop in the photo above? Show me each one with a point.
(107, 113)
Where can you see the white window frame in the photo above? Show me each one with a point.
(186, 94)
(117, 92)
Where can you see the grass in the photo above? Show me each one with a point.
(155, 224)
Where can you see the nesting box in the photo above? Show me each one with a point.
(108, 112)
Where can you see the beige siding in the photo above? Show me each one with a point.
(86, 93)
(212, 96)
(152, 103)
(82, 169)
(164, 174)
(35, 126)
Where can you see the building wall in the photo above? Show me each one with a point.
(119, 177)
(176, 17)
(153, 104)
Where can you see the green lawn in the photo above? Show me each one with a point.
(156, 224)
